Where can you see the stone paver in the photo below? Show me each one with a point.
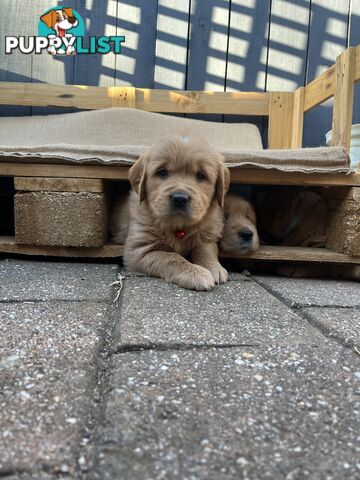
(278, 402)
(284, 412)
(50, 356)
(29, 280)
(313, 292)
(153, 312)
(340, 323)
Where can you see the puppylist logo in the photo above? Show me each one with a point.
(61, 31)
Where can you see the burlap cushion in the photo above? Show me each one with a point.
(119, 136)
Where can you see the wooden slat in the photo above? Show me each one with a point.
(298, 118)
(281, 119)
(298, 254)
(247, 46)
(77, 96)
(320, 89)
(246, 103)
(240, 175)
(17, 66)
(8, 245)
(208, 45)
(172, 31)
(137, 22)
(48, 69)
(41, 184)
(328, 39)
(100, 19)
(295, 254)
(274, 177)
(288, 40)
(343, 98)
(80, 96)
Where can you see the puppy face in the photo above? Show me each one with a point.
(179, 177)
(60, 20)
(240, 235)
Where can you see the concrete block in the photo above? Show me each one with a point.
(343, 233)
(72, 219)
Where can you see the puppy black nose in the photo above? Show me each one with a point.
(246, 234)
(72, 20)
(179, 199)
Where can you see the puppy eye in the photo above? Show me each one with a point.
(162, 173)
(200, 175)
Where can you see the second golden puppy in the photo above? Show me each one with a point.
(240, 234)
(172, 220)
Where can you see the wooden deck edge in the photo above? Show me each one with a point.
(240, 175)
(295, 254)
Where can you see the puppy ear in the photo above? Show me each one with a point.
(68, 11)
(222, 183)
(137, 176)
(47, 18)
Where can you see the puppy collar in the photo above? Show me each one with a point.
(180, 233)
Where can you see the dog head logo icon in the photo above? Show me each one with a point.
(62, 26)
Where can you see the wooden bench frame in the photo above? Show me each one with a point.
(284, 109)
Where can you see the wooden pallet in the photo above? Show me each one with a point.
(284, 109)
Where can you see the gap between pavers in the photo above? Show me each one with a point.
(307, 292)
(341, 324)
(51, 354)
(154, 313)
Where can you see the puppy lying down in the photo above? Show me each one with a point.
(240, 235)
(172, 220)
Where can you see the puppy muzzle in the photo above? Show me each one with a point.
(180, 202)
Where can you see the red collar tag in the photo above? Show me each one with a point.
(180, 233)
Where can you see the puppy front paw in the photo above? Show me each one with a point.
(219, 274)
(198, 278)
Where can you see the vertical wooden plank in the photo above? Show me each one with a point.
(208, 45)
(288, 40)
(247, 53)
(327, 39)
(15, 20)
(354, 39)
(343, 98)
(100, 19)
(298, 118)
(136, 19)
(46, 68)
(208, 42)
(281, 119)
(171, 44)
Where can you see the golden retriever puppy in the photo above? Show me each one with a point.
(240, 235)
(172, 220)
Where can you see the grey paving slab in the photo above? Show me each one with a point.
(237, 413)
(313, 292)
(50, 354)
(340, 323)
(30, 280)
(153, 312)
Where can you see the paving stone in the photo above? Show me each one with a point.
(237, 413)
(313, 292)
(29, 280)
(153, 312)
(340, 323)
(50, 354)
